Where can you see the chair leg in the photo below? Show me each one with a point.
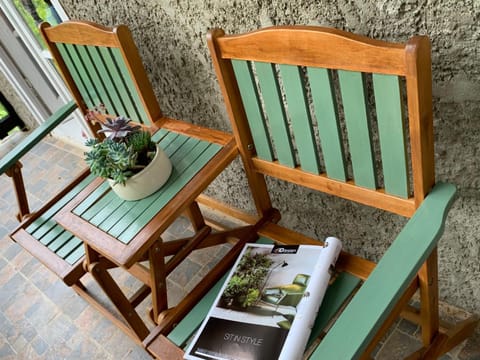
(429, 312)
(15, 172)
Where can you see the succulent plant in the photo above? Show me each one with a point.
(125, 151)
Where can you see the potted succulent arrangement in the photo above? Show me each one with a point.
(134, 165)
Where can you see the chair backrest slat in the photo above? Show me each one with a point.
(275, 111)
(391, 133)
(248, 90)
(299, 115)
(352, 85)
(329, 130)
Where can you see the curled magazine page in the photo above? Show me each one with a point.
(268, 304)
(308, 308)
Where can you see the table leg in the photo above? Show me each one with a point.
(158, 276)
(115, 294)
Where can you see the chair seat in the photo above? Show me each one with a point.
(338, 292)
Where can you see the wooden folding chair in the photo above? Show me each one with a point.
(102, 65)
(348, 116)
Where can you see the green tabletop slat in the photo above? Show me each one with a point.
(388, 103)
(136, 219)
(352, 86)
(91, 199)
(275, 112)
(251, 104)
(99, 214)
(325, 107)
(180, 147)
(299, 114)
(170, 191)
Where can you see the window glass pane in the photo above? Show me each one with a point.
(34, 12)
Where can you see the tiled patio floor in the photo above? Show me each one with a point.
(41, 318)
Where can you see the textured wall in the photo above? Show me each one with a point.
(171, 37)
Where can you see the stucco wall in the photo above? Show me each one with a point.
(171, 37)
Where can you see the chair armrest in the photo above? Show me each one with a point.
(36, 135)
(356, 326)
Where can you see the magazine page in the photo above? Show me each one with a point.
(268, 304)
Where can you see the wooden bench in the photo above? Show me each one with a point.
(102, 65)
(304, 104)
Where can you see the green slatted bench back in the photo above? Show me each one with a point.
(329, 110)
(92, 61)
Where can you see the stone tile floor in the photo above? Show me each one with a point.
(41, 318)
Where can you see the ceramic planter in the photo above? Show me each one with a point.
(147, 181)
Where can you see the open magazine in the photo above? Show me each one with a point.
(268, 305)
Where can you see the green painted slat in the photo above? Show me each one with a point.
(69, 247)
(64, 51)
(190, 323)
(92, 198)
(90, 75)
(102, 209)
(83, 73)
(99, 214)
(298, 111)
(36, 135)
(105, 83)
(272, 98)
(253, 111)
(160, 134)
(170, 191)
(75, 255)
(117, 93)
(97, 203)
(388, 103)
(375, 300)
(126, 206)
(325, 107)
(61, 240)
(352, 85)
(335, 296)
(47, 215)
(55, 231)
(142, 212)
(135, 104)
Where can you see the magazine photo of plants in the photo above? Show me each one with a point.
(266, 287)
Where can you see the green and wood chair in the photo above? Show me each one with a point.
(351, 117)
(101, 65)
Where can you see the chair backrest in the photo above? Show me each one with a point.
(336, 112)
(102, 65)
